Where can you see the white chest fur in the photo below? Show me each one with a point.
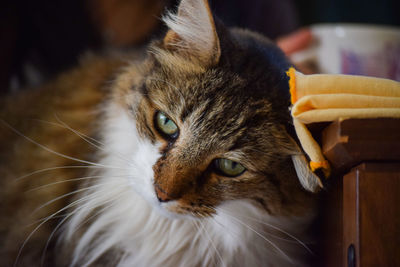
(125, 216)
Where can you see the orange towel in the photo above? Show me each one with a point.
(330, 97)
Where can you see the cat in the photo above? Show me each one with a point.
(181, 156)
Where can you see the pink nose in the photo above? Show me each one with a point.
(161, 194)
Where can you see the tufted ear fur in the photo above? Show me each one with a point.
(308, 179)
(192, 32)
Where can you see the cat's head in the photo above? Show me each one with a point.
(214, 102)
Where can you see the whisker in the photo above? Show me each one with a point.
(50, 237)
(295, 239)
(62, 167)
(99, 211)
(76, 179)
(69, 194)
(200, 230)
(194, 222)
(50, 150)
(36, 228)
(90, 197)
(100, 145)
(67, 127)
(260, 235)
(43, 219)
(27, 239)
(198, 233)
(67, 216)
(219, 223)
(209, 238)
(265, 232)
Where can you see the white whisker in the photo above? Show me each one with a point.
(51, 236)
(52, 151)
(61, 167)
(90, 140)
(67, 216)
(89, 197)
(211, 242)
(69, 194)
(37, 227)
(259, 234)
(66, 126)
(112, 200)
(295, 239)
(76, 179)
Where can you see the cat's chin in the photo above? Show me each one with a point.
(166, 210)
(170, 210)
(163, 209)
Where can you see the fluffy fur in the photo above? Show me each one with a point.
(89, 147)
(239, 234)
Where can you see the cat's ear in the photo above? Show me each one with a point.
(308, 179)
(192, 32)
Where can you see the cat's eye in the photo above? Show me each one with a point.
(229, 167)
(165, 125)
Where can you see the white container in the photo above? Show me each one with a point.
(354, 49)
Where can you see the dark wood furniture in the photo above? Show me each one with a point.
(361, 207)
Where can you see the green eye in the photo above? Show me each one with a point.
(165, 125)
(229, 168)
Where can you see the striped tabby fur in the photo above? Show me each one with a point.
(90, 137)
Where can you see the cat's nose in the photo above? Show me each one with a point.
(162, 196)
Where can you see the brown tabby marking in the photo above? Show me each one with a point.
(227, 92)
(73, 98)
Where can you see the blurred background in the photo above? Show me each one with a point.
(44, 37)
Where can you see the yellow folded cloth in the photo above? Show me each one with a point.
(329, 97)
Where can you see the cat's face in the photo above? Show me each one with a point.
(215, 107)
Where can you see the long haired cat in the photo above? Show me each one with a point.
(181, 157)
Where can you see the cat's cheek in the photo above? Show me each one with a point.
(132, 155)
(141, 173)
